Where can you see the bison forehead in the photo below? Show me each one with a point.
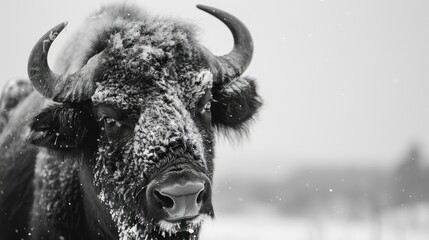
(146, 59)
(131, 98)
(150, 52)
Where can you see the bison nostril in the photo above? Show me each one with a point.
(165, 201)
(200, 196)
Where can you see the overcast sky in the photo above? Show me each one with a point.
(344, 82)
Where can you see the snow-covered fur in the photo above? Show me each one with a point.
(155, 106)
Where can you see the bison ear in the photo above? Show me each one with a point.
(235, 104)
(64, 128)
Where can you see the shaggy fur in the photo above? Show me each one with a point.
(155, 107)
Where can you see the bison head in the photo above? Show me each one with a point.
(140, 117)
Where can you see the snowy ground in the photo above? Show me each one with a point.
(255, 227)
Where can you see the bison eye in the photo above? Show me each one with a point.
(207, 108)
(112, 127)
(206, 113)
(203, 108)
(110, 122)
(115, 124)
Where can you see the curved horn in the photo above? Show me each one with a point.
(74, 87)
(236, 62)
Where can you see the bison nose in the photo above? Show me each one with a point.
(177, 195)
(181, 200)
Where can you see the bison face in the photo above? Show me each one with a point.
(140, 118)
(153, 166)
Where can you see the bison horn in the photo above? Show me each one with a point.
(236, 62)
(76, 87)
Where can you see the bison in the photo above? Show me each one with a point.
(118, 142)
